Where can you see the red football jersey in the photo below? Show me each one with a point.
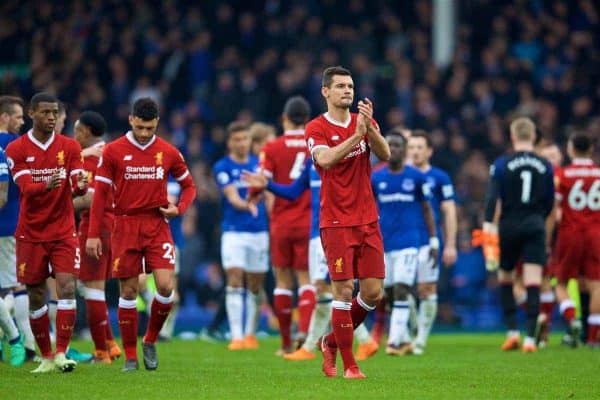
(346, 195)
(282, 160)
(139, 175)
(90, 164)
(579, 191)
(45, 215)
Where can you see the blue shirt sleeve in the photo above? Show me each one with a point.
(293, 190)
(222, 175)
(446, 187)
(3, 167)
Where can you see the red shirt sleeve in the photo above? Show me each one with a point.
(104, 179)
(315, 137)
(21, 173)
(180, 172)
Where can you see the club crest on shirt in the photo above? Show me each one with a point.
(339, 265)
(21, 269)
(382, 185)
(115, 267)
(90, 176)
(158, 157)
(408, 184)
(60, 158)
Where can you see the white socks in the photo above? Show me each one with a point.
(234, 304)
(427, 314)
(6, 322)
(319, 321)
(361, 334)
(399, 323)
(252, 301)
(22, 318)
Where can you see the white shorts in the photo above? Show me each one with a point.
(8, 262)
(317, 263)
(401, 267)
(428, 271)
(245, 250)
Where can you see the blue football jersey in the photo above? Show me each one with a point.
(175, 224)
(399, 196)
(9, 214)
(442, 189)
(228, 172)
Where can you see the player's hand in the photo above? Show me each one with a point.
(365, 108)
(95, 151)
(361, 124)
(252, 209)
(93, 247)
(54, 181)
(171, 211)
(449, 256)
(82, 181)
(254, 180)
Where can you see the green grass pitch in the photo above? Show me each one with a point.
(456, 366)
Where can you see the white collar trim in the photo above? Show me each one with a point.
(344, 124)
(43, 146)
(294, 132)
(582, 161)
(129, 136)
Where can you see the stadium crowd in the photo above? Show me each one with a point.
(217, 62)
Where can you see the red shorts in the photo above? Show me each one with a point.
(354, 252)
(289, 248)
(91, 268)
(578, 253)
(141, 244)
(34, 259)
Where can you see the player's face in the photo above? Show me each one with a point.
(15, 119)
(81, 132)
(44, 117)
(239, 143)
(418, 151)
(341, 92)
(397, 150)
(143, 130)
(552, 154)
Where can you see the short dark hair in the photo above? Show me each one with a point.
(297, 110)
(7, 104)
(582, 142)
(42, 97)
(420, 133)
(236, 126)
(94, 121)
(330, 72)
(396, 132)
(145, 108)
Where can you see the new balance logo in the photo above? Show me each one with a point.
(30, 159)
(128, 157)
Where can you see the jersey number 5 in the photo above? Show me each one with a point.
(579, 199)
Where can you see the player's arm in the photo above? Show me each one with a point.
(22, 175)
(3, 179)
(181, 174)
(490, 239)
(103, 182)
(377, 142)
(289, 192)
(84, 202)
(325, 156)
(448, 208)
(434, 241)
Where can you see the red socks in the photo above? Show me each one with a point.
(282, 304)
(567, 310)
(40, 326)
(306, 305)
(128, 324)
(159, 311)
(65, 322)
